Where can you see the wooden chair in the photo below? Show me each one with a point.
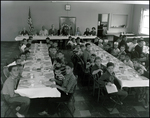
(68, 103)
(5, 71)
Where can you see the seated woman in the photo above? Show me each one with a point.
(13, 98)
(93, 32)
(109, 78)
(87, 32)
(66, 89)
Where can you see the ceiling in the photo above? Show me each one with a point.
(120, 2)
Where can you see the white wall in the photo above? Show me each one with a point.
(14, 15)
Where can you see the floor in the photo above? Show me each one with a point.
(86, 104)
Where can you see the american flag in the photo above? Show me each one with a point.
(31, 28)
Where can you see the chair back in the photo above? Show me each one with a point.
(5, 71)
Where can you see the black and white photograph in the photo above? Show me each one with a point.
(74, 59)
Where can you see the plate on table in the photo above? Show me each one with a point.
(123, 77)
(26, 69)
(47, 82)
(47, 68)
(29, 63)
(49, 75)
(24, 83)
(46, 58)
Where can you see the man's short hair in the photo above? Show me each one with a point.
(10, 67)
(110, 64)
(93, 28)
(48, 38)
(134, 39)
(87, 44)
(24, 39)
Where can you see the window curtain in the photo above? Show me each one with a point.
(141, 21)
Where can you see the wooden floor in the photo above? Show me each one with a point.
(85, 103)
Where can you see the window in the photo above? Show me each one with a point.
(144, 22)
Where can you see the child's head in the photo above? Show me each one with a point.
(100, 41)
(108, 46)
(127, 57)
(122, 48)
(78, 39)
(58, 62)
(98, 61)
(57, 71)
(140, 71)
(69, 68)
(60, 55)
(53, 50)
(24, 41)
(96, 39)
(29, 41)
(27, 53)
(134, 40)
(20, 68)
(110, 67)
(47, 40)
(88, 46)
(122, 57)
(73, 40)
(82, 47)
(28, 45)
(69, 37)
(18, 61)
(22, 56)
(13, 70)
(55, 44)
(115, 45)
(93, 56)
(141, 42)
(136, 62)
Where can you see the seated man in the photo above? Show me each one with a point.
(115, 51)
(109, 78)
(132, 44)
(78, 32)
(122, 50)
(13, 98)
(86, 53)
(53, 31)
(87, 32)
(93, 32)
(24, 32)
(43, 32)
(139, 47)
(66, 88)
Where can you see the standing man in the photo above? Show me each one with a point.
(43, 32)
(53, 31)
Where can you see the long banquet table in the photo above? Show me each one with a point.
(128, 76)
(19, 38)
(36, 74)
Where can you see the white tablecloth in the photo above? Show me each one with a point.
(35, 87)
(19, 38)
(128, 76)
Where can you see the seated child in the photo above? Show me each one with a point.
(109, 78)
(96, 41)
(108, 48)
(61, 56)
(29, 41)
(128, 61)
(24, 41)
(122, 50)
(137, 64)
(98, 69)
(122, 57)
(27, 53)
(52, 53)
(100, 43)
(115, 51)
(66, 89)
(13, 98)
(143, 92)
(82, 47)
(55, 45)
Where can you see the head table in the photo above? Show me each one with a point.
(128, 76)
(36, 74)
(19, 38)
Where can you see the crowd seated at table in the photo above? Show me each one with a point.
(64, 72)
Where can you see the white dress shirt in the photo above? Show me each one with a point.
(43, 33)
